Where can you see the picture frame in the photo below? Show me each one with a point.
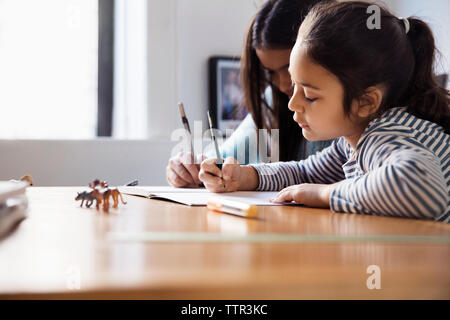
(225, 93)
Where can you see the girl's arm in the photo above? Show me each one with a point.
(325, 167)
(401, 181)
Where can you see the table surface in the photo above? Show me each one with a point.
(64, 251)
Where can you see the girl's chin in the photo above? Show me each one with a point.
(308, 135)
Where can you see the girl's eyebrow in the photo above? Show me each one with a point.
(303, 84)
(309, 86)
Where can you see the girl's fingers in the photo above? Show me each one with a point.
(210, 179)
(210, 166)
(230, 168)
(211, 176)
(231, 174)
(212, 183)
(284, 195)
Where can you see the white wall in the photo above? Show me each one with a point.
(206, 28)
(183, 34)
(436, 14)
(77, 162)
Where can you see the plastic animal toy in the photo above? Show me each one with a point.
(101, 193)
(98, 182)
(115, 194)
(26, 178)
(86, 195)
(98, 195)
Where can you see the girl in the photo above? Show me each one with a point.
(266, 88)
(373, 89)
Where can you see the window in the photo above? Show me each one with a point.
(48, 69)
(72, 69)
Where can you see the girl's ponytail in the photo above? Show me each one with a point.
(425, 97)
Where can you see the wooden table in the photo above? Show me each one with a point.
(63, 251)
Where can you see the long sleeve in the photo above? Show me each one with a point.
(401, 181)
(324, 167)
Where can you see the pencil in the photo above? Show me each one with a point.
(185, 122)
(213, 137)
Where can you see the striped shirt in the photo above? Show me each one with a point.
(400, 168)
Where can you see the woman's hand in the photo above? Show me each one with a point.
(311, 195)
(182, 171)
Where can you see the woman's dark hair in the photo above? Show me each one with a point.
(275, 26)
(337, 36)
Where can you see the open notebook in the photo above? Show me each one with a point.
(199, 197)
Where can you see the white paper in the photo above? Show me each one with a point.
(200, 196)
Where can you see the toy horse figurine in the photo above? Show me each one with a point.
(102, 192)
(115, 194)
(86, 195)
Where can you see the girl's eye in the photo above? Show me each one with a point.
(310, 99)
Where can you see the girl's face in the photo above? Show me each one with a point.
(276, 64)
(317, 101)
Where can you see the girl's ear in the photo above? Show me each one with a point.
(370, 102)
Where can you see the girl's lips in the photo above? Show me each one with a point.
(303, 126)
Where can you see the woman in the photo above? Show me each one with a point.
(266, 87)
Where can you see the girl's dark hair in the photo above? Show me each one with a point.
(275, 26)
(337, 36)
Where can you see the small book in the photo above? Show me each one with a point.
(199, 196)
(13, 205)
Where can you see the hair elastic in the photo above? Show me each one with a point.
(406, 23)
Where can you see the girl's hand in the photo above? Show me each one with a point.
(182, 172)
(216, 180)
(311, 195)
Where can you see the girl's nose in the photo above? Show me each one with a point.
(293, 105)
